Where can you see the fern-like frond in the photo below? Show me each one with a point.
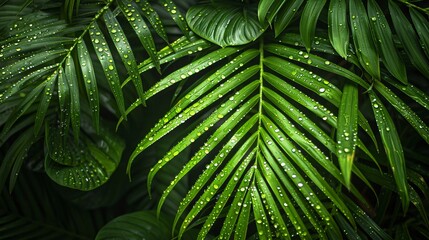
(48, 65)
(255, 134)
(281, 130)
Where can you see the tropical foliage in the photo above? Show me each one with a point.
(266, 119)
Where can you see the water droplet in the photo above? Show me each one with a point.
(322, 90)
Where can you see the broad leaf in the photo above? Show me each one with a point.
(225, 24)
(85, 164)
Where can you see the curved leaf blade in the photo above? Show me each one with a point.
(135, 226)
(225, 24)
(392, 146)
(365, 48)
(309, 17)
(405, 31)
(383, 39)
(347, 130)
(338, 27)
(92, 161)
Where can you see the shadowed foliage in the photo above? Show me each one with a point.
(266, 119)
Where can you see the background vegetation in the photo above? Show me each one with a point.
(218, 119)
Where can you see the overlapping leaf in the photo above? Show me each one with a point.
(260, 105)
(49, 64)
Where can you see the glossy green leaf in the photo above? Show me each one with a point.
(154, 19)
(422, 28)
(105, 57)
(301, 119)
(64, 99)
(409, 39)
(362, 38)
(228, 25)
(338, 27)
(90, 81)
(392, 146)
(367, 224)
(383, 39)
(415, 121)
(191, 69)
(159, 130)
(285, 15)
(347, 130)
(142, 30)
(33, 61)
(136, 225)
(309, 17)
(44, 102)
(211, 143)
(229, 188)
(261, 218)
(86, 164)
(177, 16)
(208, 173)
(314, 60)
(267, 10)
(278, 182)
(239, 205)
(306, 79)
(413, 92)
(299, 159)
(70, 74)
(20, 83)
(244, 217)
(125, 52)
(263, 8)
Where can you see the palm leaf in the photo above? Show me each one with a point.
(337, 27)
(52, 63)
(249, 131)
(220, 84)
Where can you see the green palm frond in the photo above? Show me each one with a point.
(288, 119)
(49, 65)
(271, 109)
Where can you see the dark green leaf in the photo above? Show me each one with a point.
(383, 39)
(309, 17)
(125, 52)
(347, 130)
(422, 27)
(407, 35)
(392, 146)
(338, 27)
(362, 38)
(135, 226)
(90, 82)
(225, 24)
(285, 15)
(85, 165)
